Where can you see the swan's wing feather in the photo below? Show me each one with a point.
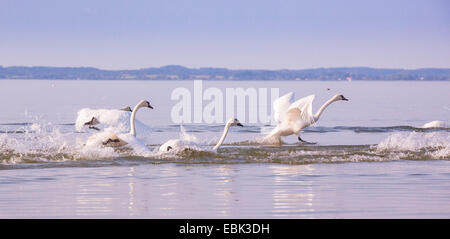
(114, 141)
(281, 105)
(110, 120)
(104, 117)
(301, 110)
(293, 114)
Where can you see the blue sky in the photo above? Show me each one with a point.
(234, 34)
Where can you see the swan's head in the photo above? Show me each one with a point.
(144, 103)
(93, 121)
(340, 97)
(127, 108)
(234, 122)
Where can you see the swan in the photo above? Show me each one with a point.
(186, 143)
(112, 119)
(293, 117)
(110, 139)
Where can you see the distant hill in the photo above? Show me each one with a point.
(174, 72)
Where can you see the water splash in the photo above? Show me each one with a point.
(42, 142)
(435, 124)
(434, 144)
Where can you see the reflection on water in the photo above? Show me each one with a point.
(358, 190)
(55, 177)
(91, 195)
(131, 206)
(292, 197)
(224, 184)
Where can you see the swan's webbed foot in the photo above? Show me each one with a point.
(303, 141)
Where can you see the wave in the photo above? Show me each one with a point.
(227, 155)
(435, 124)
(434, 144)
(42, 144)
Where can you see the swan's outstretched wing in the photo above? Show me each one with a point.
(301, 111)
(105, 117)
(281, 106)
(111, 119)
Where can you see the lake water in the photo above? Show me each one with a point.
(371, 158)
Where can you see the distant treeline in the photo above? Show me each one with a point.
(183, 73)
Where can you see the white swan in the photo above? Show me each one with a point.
(110, 119)
(186, 143)
(293, 117)
(110, 139)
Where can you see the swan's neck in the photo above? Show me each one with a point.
(324, 106)
(132, 123)
(225, 132)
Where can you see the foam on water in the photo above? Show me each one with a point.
(184, 142)
(42, 142)
(435, 124)
(435, 144)
(187, 137)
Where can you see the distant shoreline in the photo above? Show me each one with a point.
(223, 74)
(312, 80)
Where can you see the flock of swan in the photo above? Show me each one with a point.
(292, 116)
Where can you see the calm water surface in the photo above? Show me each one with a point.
(371, 159)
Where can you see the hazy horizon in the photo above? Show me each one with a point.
(253, 35)
(232, 69)
(219, 67)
